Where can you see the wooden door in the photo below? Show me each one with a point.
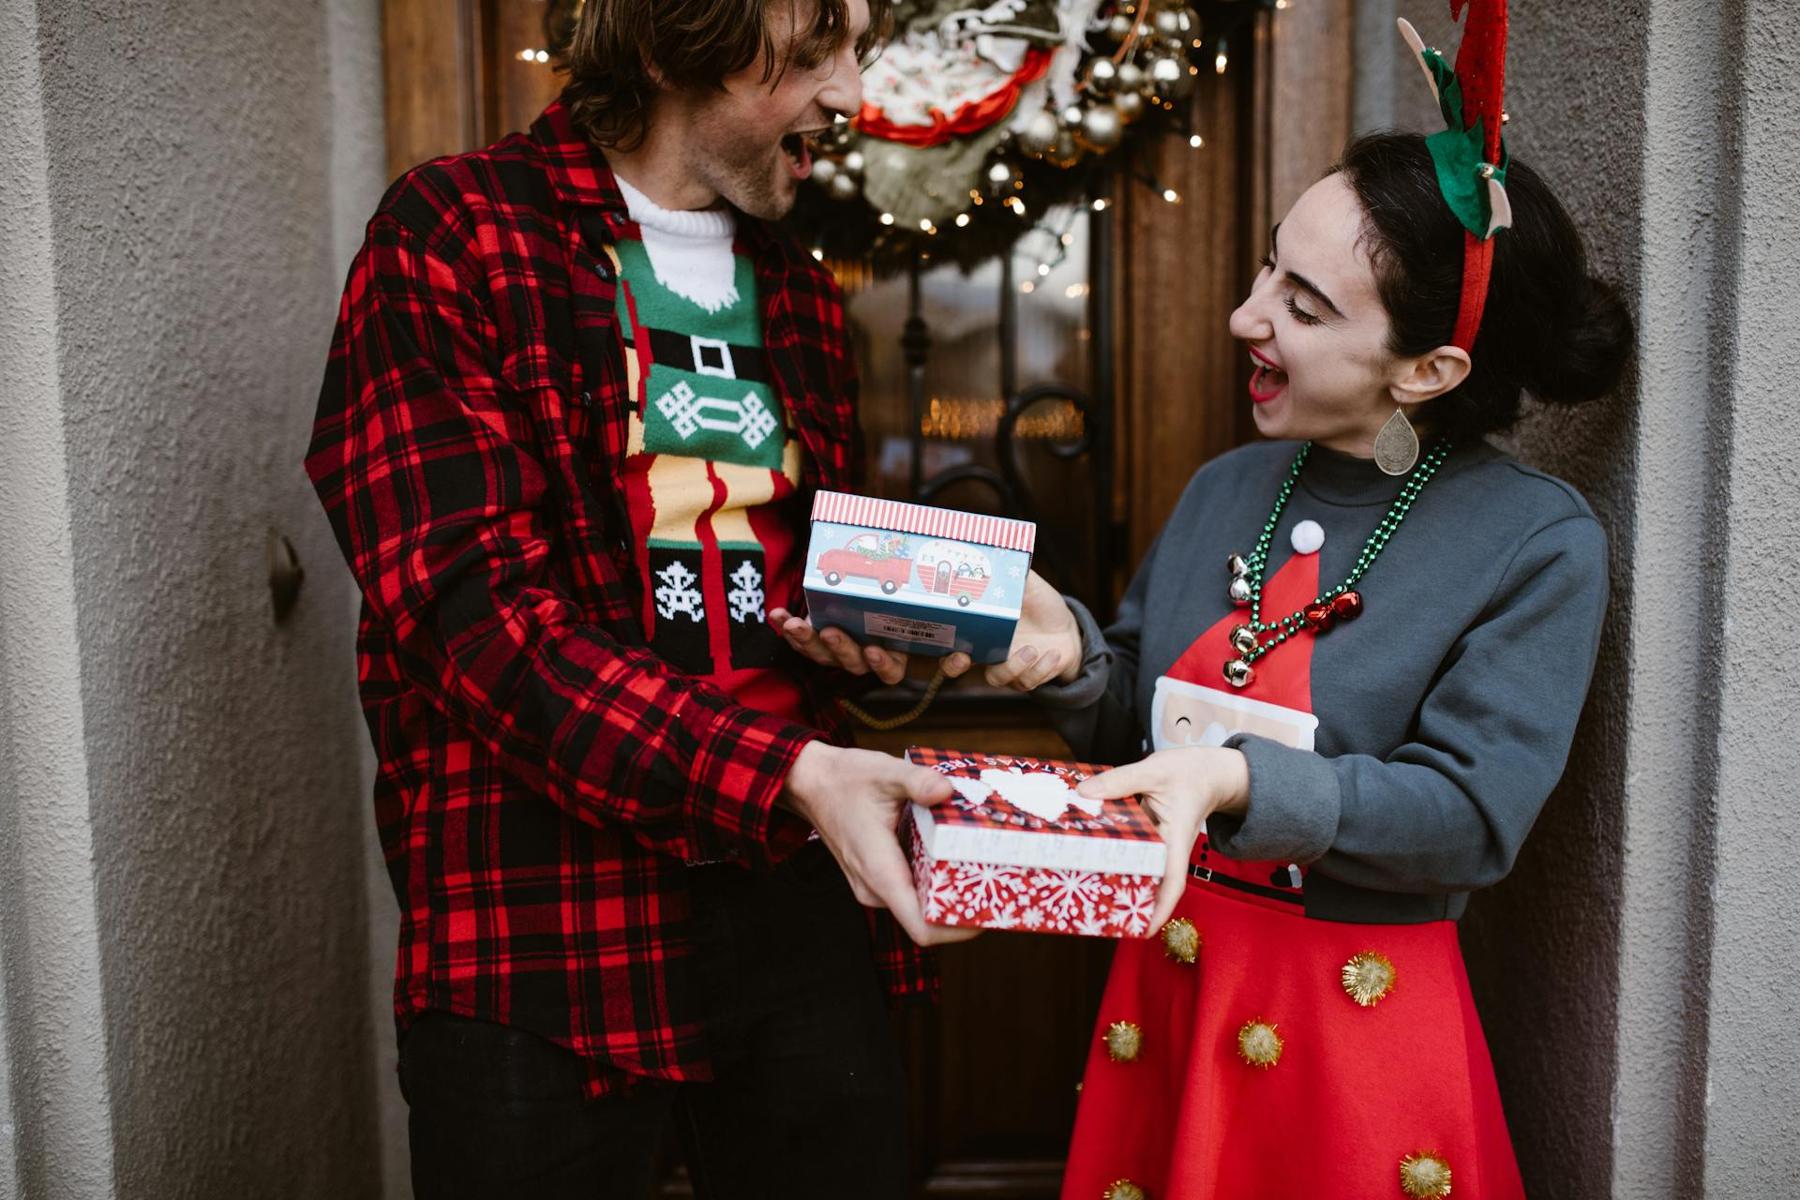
(995, 1066)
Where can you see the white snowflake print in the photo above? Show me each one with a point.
(943, 897)
(984, 885)
(746, 598)
(1133, 906)
(676, 594)
(1004, 918)
(1091, 926)
(1066, 892)
(1014, 572)
(1032, 918)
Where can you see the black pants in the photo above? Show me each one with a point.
(808, 1096)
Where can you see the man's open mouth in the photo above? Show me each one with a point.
(799, 150)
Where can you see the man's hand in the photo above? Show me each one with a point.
(831, 647)
(1181, 788)
(1046, 644)
(855, 798)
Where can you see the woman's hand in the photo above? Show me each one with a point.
(832, 647)
(1181, 788)
(1046, 644)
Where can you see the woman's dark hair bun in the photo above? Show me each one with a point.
(1549, 328)
(1593, 345)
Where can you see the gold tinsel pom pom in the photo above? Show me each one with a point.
(1259, 1044)
(1425, 1176)
(1124, 1189)
(1181, 941)
(1123, 1041)
(1368, 977)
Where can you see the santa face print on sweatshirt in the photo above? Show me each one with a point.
(710, 471)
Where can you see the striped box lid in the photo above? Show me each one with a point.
(843, 509)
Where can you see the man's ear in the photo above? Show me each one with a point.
(1429, 375)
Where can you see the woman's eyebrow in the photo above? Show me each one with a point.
(1300, 281)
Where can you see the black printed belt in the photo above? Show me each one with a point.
(709, 356)
(1208, 875)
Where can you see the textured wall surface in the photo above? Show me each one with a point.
(194, 161)
(1638, 972)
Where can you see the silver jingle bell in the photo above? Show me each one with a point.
(1243, 640)
(1240, 590)
(1238, 565)
(1239, 673)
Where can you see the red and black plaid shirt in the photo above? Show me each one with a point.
(543, 776)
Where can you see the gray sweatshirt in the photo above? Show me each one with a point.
(1444, 712)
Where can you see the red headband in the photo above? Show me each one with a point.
(1469, 153)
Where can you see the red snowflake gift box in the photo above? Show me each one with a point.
(1018, 848)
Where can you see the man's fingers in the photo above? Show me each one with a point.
(845, 653)
(925, 786)
(1129, 780)
(889, 665)
(956, 664)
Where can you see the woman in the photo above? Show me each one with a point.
(1356, 722)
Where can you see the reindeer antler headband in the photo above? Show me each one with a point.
(1469, 153)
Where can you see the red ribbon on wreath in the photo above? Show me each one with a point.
(970, 117)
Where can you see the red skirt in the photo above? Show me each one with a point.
(1290, 1058)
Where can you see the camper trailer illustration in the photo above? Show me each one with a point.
(954, 569)
(877, 556)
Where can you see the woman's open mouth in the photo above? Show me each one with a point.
(798, 149)
(1266, 379)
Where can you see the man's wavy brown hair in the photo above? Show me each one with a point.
(616, 48)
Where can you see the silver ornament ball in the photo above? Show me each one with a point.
(1103, 76)
(853, 162)
(1038, 133)
(843, 187)
(1130, 77)
(1102, 128)
(824, 171)
(1130, 106)
(1170, 78)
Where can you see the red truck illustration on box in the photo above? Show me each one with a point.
(870, 556)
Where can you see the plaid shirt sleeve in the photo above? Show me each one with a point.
(423, 459)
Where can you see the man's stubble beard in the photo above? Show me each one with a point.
(743, 177)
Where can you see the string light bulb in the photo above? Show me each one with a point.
(1028, 287)
(962, 220)
(1171, 196)
(1222, 59)
(887, 218)
(1196, 141)
(1101, 205)
(1043, 270)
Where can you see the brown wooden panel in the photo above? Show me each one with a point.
(428, 68)
(1311, 65)
(1184, 268)
(520, 88)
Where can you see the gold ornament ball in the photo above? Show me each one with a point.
(1065, 153)
(1425, 1176)
(843, 187)
(1039, 133)
(1103, 76)
(1181, 941)
(1124, 1041)
(1368, 977)
(1259, 1044)
(1102, 128)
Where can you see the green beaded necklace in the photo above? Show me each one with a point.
(1341, 603)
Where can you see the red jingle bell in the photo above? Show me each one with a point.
(1317, 617)
(1348, 606)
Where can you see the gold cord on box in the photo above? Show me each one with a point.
(884, 724)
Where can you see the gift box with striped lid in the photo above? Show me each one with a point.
(914, 578)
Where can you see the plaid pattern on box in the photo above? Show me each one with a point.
(1017, 849)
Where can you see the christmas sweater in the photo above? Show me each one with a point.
(1399, 759)
(711, 474)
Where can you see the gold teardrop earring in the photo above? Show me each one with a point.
(1397, 445)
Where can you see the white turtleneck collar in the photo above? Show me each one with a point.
(690, 250)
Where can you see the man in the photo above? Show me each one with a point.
(578, 397)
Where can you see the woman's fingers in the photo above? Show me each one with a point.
(889, 665)
(1168, 893)
(1129, 780)
(957, 664)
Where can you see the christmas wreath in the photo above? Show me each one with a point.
(978, 120)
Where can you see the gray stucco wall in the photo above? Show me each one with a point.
(188, 873)
(1637, 974)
